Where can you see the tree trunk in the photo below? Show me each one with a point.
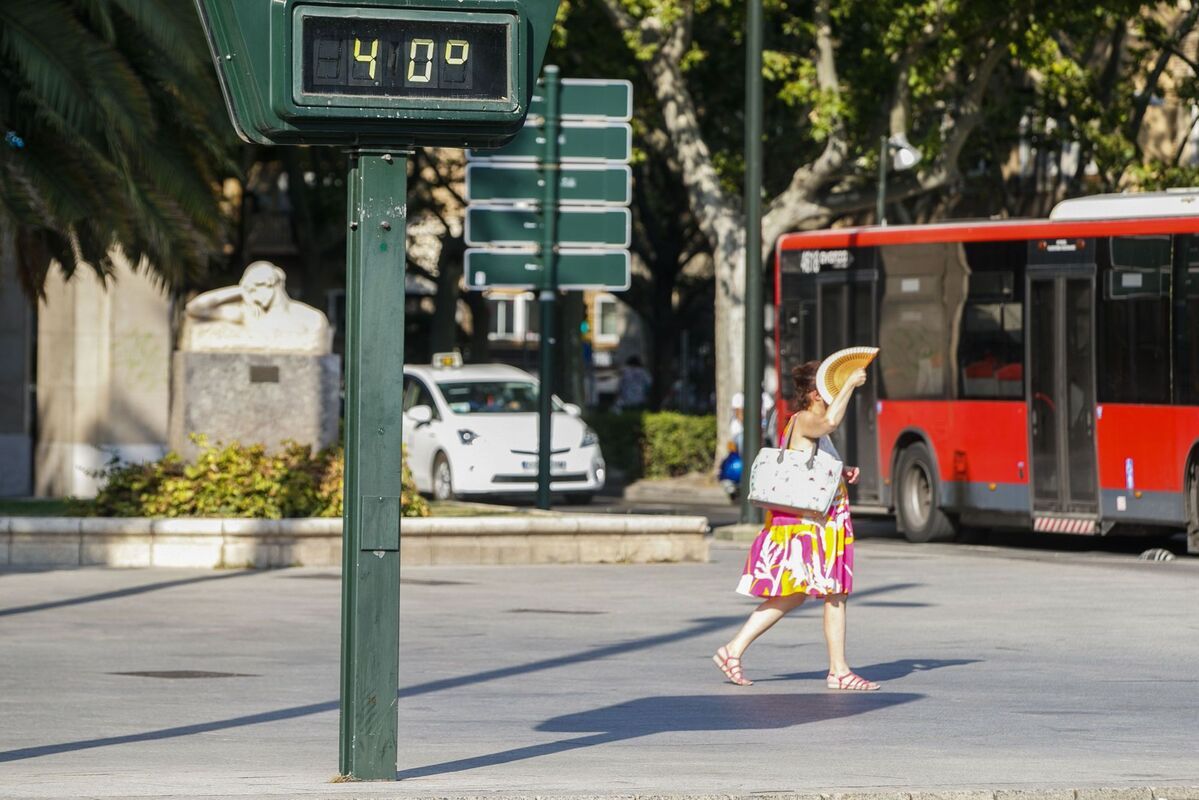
(480, 314)
(730, 332)
(444, 336)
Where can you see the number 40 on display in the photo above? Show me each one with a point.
(421, 61)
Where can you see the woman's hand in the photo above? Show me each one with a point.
(851, 474)
(856, 378)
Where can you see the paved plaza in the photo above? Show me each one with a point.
(1002, 669)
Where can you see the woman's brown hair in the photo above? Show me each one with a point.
(805, 382)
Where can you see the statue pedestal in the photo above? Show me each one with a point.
(254, 398)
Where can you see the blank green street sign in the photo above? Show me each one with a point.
(581, 227)
(579, 184)
(588, 98)
(577, 141)
(578, 269)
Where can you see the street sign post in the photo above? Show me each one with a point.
(376, 77)
(588, 98)
(578, 268)
(521, 226)
(559, 183)
(578, 184)
(577, 142)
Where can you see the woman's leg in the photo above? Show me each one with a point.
(728, 658)
(761, 620)
(840, 675)
(834, 633)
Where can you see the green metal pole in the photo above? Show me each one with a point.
(549, 287)
(880, 213)
(370, 607)
(754, 329)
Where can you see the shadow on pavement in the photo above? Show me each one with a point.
(698, 627)
(887, 671)
(650, 715)
(126, 592)
(169, 733)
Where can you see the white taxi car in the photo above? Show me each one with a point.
(472, 430)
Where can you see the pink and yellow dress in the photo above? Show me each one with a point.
(802, 555)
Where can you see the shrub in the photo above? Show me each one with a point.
(235, 480)
(656, 444)
(675, 444)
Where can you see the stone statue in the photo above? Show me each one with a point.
(255, 316)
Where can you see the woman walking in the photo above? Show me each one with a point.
(797, 557)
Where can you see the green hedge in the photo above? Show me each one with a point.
(235, 480)
(656, 444)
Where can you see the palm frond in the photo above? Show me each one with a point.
(40, 40)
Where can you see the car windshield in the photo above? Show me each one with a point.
(490, 397)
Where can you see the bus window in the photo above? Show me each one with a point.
(1185, 292)
(990, 356)
(1133, 321)
(923, 293)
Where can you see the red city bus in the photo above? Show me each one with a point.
(1039, 374)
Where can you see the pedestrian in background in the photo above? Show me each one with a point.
(633, 389)
(795, 558)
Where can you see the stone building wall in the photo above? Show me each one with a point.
(103, 376)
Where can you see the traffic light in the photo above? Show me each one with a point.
(450, 73)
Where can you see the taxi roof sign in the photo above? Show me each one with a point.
(451, 360)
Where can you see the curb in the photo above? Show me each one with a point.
(365, 791)
(741, 532)
(1136, 793)
(210, 543)
(675, 491)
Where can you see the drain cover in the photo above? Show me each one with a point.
(550, 611)
(185, 673)
(431, 582)
(405, 581)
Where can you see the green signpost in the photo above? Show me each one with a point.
(577, 227)
(577, 142)
(578, 184)
(578, 268)
(588, 98)
(556, 184)
(376, 77)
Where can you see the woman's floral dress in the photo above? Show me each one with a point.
(801, 555)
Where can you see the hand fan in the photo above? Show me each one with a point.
(835, 369)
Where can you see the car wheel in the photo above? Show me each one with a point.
(918, 498)
(579, 498)
(443, 478)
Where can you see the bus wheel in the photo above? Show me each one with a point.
(1193, 506)
(917, 499)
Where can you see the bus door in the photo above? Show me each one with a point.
(1061, 382)
(846, 317)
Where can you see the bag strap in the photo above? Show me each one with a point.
(790, 436)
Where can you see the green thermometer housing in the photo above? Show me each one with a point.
(456, 73)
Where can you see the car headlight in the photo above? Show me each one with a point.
(589, 438)
(467, 436)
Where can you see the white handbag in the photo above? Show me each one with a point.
(792, 480)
